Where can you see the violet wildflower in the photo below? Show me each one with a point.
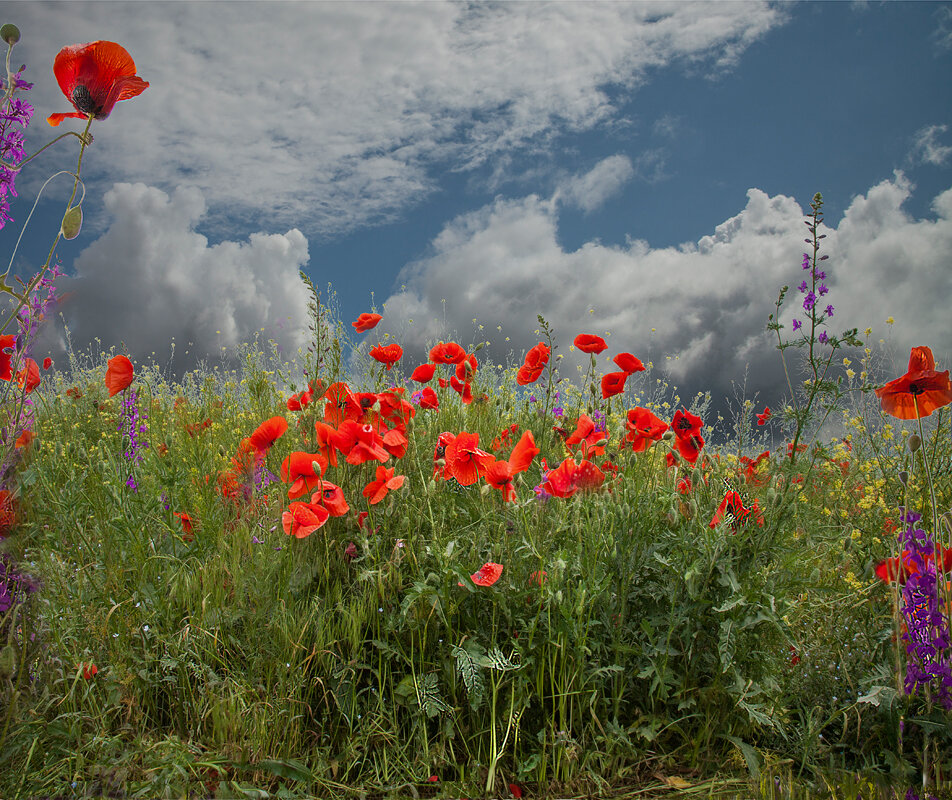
(802, 287)
(927, 630)
(15, 115)
(822, 290)
(806, 261)
(829, 311)
(823, 338)
(130, 425)
(797, 324)
(809, 301)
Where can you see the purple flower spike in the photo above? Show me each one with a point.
(806, 261)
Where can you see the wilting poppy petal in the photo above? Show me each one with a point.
(366, 322)
(29, 376)
(94, 77)
(118, 374)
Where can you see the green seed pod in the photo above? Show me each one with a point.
(10, 34)
(72, 222)
(8, 659)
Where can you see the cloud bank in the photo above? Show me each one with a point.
(698, 310)
(333, 116)
(150, 278)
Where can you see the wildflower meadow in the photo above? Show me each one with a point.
(354, 575)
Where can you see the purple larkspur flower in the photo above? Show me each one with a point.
(927, 636)
(829, 311)
(822, 290)
(809, 301)
(802, 287)
(806, 261)
(823, 338)
(797, 324)
(15, 115)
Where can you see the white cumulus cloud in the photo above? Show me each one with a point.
(150, 278)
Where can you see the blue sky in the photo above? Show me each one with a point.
(638, 169)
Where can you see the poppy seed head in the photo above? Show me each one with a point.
(84, 102)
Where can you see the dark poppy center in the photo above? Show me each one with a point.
(916, 389)
(84, 102)
(684, 424)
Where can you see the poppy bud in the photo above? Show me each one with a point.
(316, 467)
(440, 462)
(10, 33)
(903, 477)
(72, 222)
(485, 489)
(431, 486)
(8, 659)
(601, 442)
(914, 443)
(667, 435)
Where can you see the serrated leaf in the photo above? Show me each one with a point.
(495, 659)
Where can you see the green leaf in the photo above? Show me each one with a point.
(751, 756)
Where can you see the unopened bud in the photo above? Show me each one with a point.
(10, 33)
(914, 443)
(316, 467)
(601, 442)
(485, 489)
(904, 477)
(440, 462)
(667, 435)
(72, 222)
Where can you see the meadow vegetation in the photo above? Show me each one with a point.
(467, 579)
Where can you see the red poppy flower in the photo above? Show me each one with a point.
(463, 389)
(330, 496)
(464, 460)
(47, 362)
(920, 391)
(385, 482)
(440, 467)
(360, 442)
(8, 340)
(298, 470)
(538, 577)
(570, 477)
(447, 353)
(366, 322)
(25, 439)
(613, 383)
(487, 574)
(118, 374)
(687, 430)
(186, 520)
(590, 343)
(423, 373)
(684, 485)
(752, 472)
(466, 368)
(522, 454)
(94, 77)
(428, 399)
(195, 428)
(762, 418)
(644, 429)
(267, 433)
(89, 670)
(388, 354)
(890, 569)
(341, 404)
(302, 519)
(29, 376)
(533, 365)
(592, 440)
(628, 363)
(299, 401)
(499, 476)
(732, 509)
